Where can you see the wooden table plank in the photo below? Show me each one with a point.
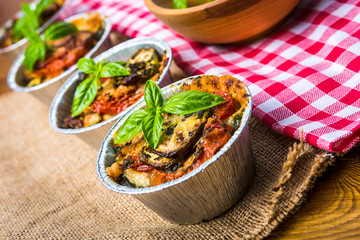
(332, 210)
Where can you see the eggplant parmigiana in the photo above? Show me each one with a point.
(118, 93)
(9, 38)
(186, 141)
(66, 51)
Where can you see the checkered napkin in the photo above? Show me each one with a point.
(304, 76)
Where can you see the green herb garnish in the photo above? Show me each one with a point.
(86, 92)
(59, 30)
(150, 120)
(38, 46)
(31, 18)
(180, 4)
(42, 5)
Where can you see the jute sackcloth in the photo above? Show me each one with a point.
(50, 190)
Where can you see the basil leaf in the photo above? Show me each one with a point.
(59, 30)
(179, 4)
(97, 72)
(28, 22)
(99, 66)
(18, 28)
(153, 95)
(86, 65)
(26, 9)
(33, 37)
(42, 5)
(151, 127)
(85, 93)
(131, 126)
(191, 101)
(28, 12)
(33, 53)
(122, 63)
(113, 69)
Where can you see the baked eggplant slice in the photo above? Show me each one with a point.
(155, 160)
(144, 64)
(146, 55)
(180, 133)
(179, 136)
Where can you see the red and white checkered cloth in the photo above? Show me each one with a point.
(303, 76)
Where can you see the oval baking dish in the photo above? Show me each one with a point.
(14, 50)
(45, 91)
(61, 106)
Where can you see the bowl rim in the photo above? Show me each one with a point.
(113, 186)
(39, 30)
(157, 9)
(18, 62)
(73, 78)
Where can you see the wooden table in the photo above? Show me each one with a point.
(332, 210)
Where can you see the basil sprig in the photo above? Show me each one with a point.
(34, 52)
(86, 92)
(150, 120)
(38, 46)
(190, 101)
(59, 30)
(179, 4)
(84, 95)
(42, 5)
(132, 125)
(30, 21)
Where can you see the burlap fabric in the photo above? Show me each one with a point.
(49, 187)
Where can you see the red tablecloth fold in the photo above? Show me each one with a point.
(303, 76)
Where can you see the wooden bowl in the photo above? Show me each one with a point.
(223, 21)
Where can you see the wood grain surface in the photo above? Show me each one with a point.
(222, 21)
(332, 210)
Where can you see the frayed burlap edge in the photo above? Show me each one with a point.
(322, 162)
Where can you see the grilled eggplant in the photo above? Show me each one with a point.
(181, 132)
(157, 161)
(179, 136)
(143, 64)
